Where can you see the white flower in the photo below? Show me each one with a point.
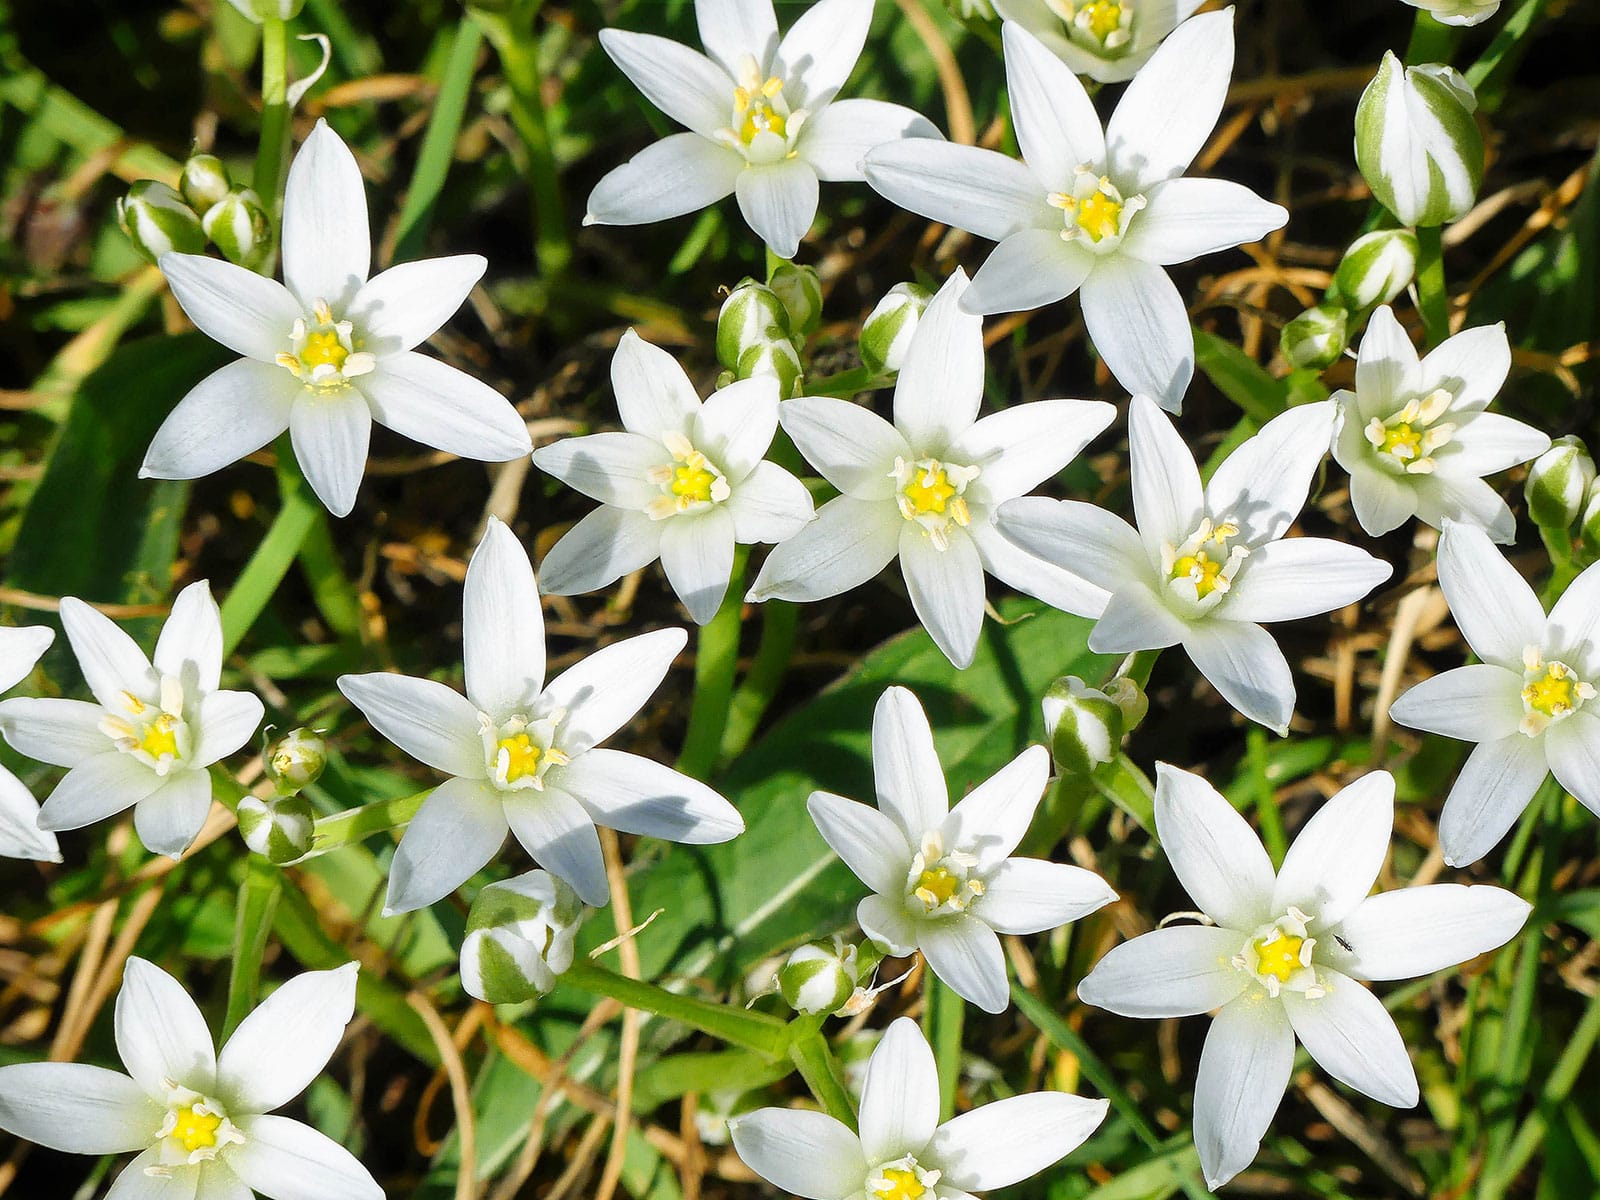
(943, 878)
(925, 488)
(20, 835)
(153, 731)
(764, 122)
(200, 1120)
(684, 483)
(1529, 704)
(521, 753)
(1283, 955)
(1458, 12)
(902, 1152)
(1103, 211)
(1207, 565)
(1107, 40)
(1415, 437)
(331, 352)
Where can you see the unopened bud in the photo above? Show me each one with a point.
(1376, 269)
(204, 182)
(1589, 528)
(800, 290)
(1558, 483)
(1316, 338)
(1417, 143)
(238, 226)
(887, 332)
(297, 760)
(278, 828)
(778, 359)
(1083, 726)
(158, 222)
(752, 315)
(520, 938)
(819, 977)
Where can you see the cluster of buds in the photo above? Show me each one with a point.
(521, 935)
(887, 332)
(205, 206)
(1561, 490)
(280, 827)
(1084, 726)
(762, 326)
(1376, 268)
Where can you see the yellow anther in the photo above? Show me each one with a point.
(902, 1185)
(1555, 693)
(161, 737)
(936, 886)
(693, 481)
(1201, 569)
(1104, 17)
(928, 491)
(1278, 955)
(132, 703)
(521, 756)
(323, 348)
(754, 111)
(1099, 216)
(195, 1130)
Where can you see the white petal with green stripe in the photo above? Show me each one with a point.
(1417, 142)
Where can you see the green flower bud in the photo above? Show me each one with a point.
(819, 977)
(1558, 483)
(777, 358)
(800, 290)
(520, 937)
(1127, 695)
(1083, 726)
(1589, 526)
(157, 221)
(1316, 337)
(1377, 268)
(297, 760)
(752, 315)
(238, 226)
(259, 10)
(204, 182)
(887, 332)
(278, 828)
(1417, 142)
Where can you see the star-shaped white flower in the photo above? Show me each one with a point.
(1284, 955)
(943, 878)
(684, 483)
(1207, 565)
(1092, 210)
(152, 732)
(20, 835)
(902, 1152)
(201, 1120)
(763, 121)
(328, 351)
(1529, 704)
(1414, 434)
(926, 488)
(1107, 40)
(522, 753)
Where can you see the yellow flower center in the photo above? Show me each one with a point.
(1098, 216)
(1201, 569)
(1407, 440)
(754, 112)
(1554, 694)
(688, 482)
(901, 1185)
(935, 886)
(323, 348)
(522, 756)
(929, 490)
(693, 481)
(1402, 441)
(161, 737)
(196, 1130)
(1103, 17)
(1279, 955)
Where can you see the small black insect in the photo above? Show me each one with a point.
(1349, 949)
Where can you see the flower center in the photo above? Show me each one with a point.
(1405, 443)
(1094, 212)
(195, 1127)
(518, 751)
(1200, 570)
(941, 884)
(689, 483)
(1278, 956)
(1103, 25)
(902, 1179)
(194, 1130)
(520, 755)
(154, 733)
(931, 493)
(324, 356)
(763, 127)
(1551, 691)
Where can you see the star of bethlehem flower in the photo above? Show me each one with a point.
(522, 754)
(153, 730)
(902, 1152)
(328, 351)
(20, 835)
(1529, 704)
(925, 488)
(1283, 955)
(201, 1120)
(1097, 211)
(1209, 564)
(1107, 40)
(943, 878)
(764, 123)
(684, 482)
(1414, 434)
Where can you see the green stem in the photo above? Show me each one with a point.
(273, 152)
(736, 1026)
(780, 625)
(1265, 798)
(847, 383)
(716, 659)
(1558, 1086)
(1431, 40)
(357, 824)
(271, 561)
(439, 143)
(942, 1017)
(1433, 298)
(823, 1075)
(258, 902)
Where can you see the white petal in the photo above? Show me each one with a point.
(403, 306)
(899, 1094)
(600, 549)
(1135, 619)
(20, 835)
(20, 649)
(1081, 538)
(836, 140)
(160, 1033)
(1214, 852)
(215, 1181)
(853, 447)
(1026, 895)
(609, 467)
(869, 841)
(1021, 447)
(679, 174)
(286, 1160)
(1444, 497)
(433, 723)
(654, 395)
(1029, 269)
(1302, 577)
(731, 29)
(940, 387)
(1419, 930)
(1383, 502)
(850, 541)
(697, 555)
(1575, 621)
(1477, 703)
(820, 50)
(190, 645)
(1493, 606)
(1172, 104)
(431, 402)
(61, 732)
(170, 818)
(1004, 1142)
(330, 439)
(285, 1043)
(1336, 857)
(110, 660)
(1045, 581)
(1487, 443)
(1264, 483)
(327, 249)
(769, 505)
(248, 313)
(96, 788)
(981, 191)
(736, 425)
(965, 953)
(1386, 368)
(885, 921)
(458, 829)
(635, 795)
(1354, 1039)
(227, 415)
(687, 86)
(1178, 971)
(1167, 497)
(602, 693)
(779, 202)
(1137, 321)
(803, 1152)
(946, 588)
(990, 820)
(905, 766)
(554, 828)
(75, 1108)
(1573, 750)
(1491, 792)
(1186, 218)
(226, 721)
(1244, 1071)
(1473, 364)
(1244, 664)
(132, 1183)
(502, 625)
(1057, 127)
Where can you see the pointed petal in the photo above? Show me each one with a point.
(1186, 218)
(836, 140)
(433, 723)
(990, 820)
(20, 649)
(1029, 269)
(869, 842)
(1214, 852)
(602, 693)
(190, 645)
(769, 505)
(286, 1160)
(248, 313)
(947, 590)
(327, 248)
(160, 1033)
(940, 387)
(684, 84)
(1244, 1072)
(852, 447)
(285, 1043)
(1167, 497)
(1026, 895)
(654, 395)
(1178, 971)
(1572, 747)
(806, 1153)
(1302, 577)
(110, 660)
(850, 542)
(63, 733)
(779, 202)
(820, 50)
(1082, 538)
(736, 425)
(1473, 365)
(1172, 104)
(502, 624)
(965, 954)
(20, 835)
(1442, 497)
(885, 921)
(330, 443)
(606, 545)
(1006, 1141)
(635, 795)
(1487, 443)
(1135, 619)
(1021, 447)
(458, 829)
(731, 29)
(611, 467)
(1336, 857)
(982, 191)
(1035, 577)
(1057, 127)
(75, 1108)
(682, 173)
(899, 1094)
(227, 415)
(433, 403)
(170, 818)
(1264, 483)
(554, 828)
(96, 788)
(905, 766)
(1383, 502)
(697, 555)
(1477, 703)
(1354, 1039)
(1419, 930)
(134, 1184)
(1575, 622)
(1493, 606)
(1491, 792)
(1246, 666)
(226, 721)
(1137, 321)
(403, 306)
(1387, 373)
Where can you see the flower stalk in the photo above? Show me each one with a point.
(716, 659)
(749, 1030)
